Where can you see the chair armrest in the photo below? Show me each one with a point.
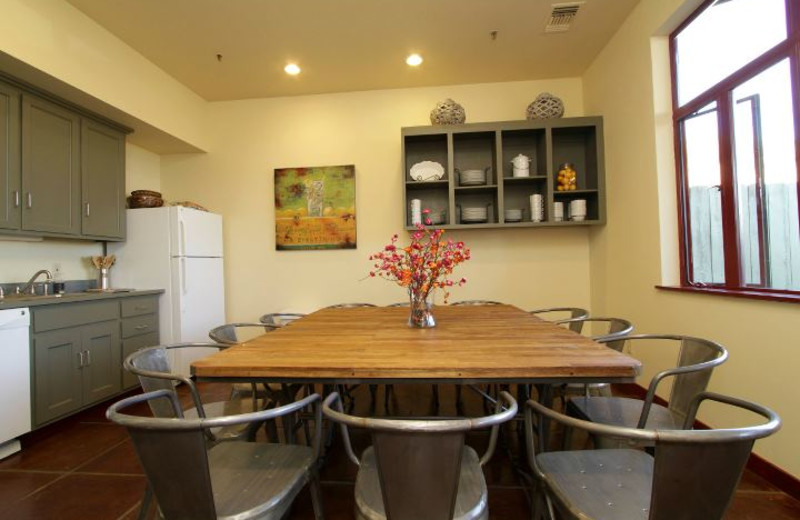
(335, 398)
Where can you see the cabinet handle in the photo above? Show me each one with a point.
(16, 198)
(80, 359)
(140, 308)
(30, 200)
(140, 327)
(88, 357)
(87, 209)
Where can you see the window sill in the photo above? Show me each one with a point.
(734, 293)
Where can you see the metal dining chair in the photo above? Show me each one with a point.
(696, 360)
(280, 319)
(151, 365)
(692, 475)
(277, 393)
(350, 305)
(558, 313)
(420, 469)
(233, 333)
(242, 480)
(459, 400)
(373, 389)
(613, 334)
(476, 302)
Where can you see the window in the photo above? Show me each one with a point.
(736, 106)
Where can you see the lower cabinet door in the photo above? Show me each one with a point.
(57, 369)
(101, 376)
(131, 345)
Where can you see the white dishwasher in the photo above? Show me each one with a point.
(15, 378)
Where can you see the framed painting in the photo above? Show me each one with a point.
(315, 208)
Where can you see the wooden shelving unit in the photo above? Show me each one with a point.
(492, 146)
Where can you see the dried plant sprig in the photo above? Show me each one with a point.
(424, 265)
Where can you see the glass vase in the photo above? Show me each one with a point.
(421, 311)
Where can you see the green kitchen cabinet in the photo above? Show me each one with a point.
(10, 195)
(58, 388)
(78, 349)
(102, 359)
(50, 167)
(102, 181)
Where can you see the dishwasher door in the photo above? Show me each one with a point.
(15, 378)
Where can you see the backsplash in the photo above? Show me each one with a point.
(70, 286)
(19, 260)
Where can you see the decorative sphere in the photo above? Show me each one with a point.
(448, 112)
(546, 106)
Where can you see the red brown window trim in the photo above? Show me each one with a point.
(761, 294)
(721, 94)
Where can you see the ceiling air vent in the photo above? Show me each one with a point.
(561, 16)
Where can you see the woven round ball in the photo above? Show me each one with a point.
(448, 112)
(546, 106)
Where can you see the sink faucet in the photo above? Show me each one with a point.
(30, 288)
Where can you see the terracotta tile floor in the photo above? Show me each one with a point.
(84, 467)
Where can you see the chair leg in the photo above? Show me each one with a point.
(146, 499)
(316, 495)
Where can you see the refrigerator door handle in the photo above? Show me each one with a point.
(182, 231)
(183, 275)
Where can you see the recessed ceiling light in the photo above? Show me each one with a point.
(292, 69)
(414, 60)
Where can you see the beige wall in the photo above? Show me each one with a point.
(249, 139)
(628, 84)
(57, 39)
(20, 259)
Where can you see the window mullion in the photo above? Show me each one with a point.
(730, 241)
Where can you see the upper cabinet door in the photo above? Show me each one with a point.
(102, 181)
(50, 167)
(10, 195)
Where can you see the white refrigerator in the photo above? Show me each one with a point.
(178, 250)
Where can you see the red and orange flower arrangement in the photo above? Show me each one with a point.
(424, 265)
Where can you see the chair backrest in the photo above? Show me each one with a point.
(697, 358)
(613, 329)
(280, 319)
(173, 452)
(476, 302)
(350, 305)
(170, 457)
(696, 472)
(232, 333)
(558, 313)
(419, 461)
(151, 366)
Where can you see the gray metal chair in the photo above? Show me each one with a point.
(613, 334)
(696, 360)
(280, 319)
(614, 329)
(692, 476)
(475, 302)
(278, 393)
(558, 313)
(459, 400)
(192, 479)
(420, 469)
(350, 305)
(151, 366)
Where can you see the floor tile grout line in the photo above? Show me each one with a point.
(65, 474)
(101, 454)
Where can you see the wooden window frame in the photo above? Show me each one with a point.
(721, 93)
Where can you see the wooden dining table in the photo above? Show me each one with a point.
(469, 344)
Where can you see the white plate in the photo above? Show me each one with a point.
(427, 171)
(473, 183)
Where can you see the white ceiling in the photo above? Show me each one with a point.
(352, 45)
